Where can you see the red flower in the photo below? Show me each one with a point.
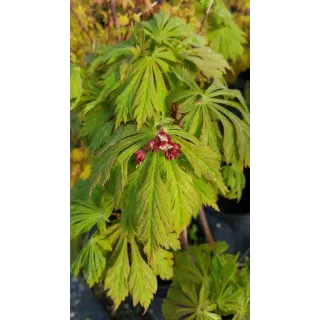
(164, 146)
(163, 136)
(140, 156)
(175, 153)
(162, 142)
(152, 145)
(176, 146)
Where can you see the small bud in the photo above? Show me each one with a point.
(140, 156)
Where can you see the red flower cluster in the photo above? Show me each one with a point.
(161, 142)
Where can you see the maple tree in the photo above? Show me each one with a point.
(165, 136)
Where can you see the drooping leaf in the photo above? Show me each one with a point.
(91, 259)
(116, 281)
(234, 179)
(85, 215)
(153, 207)
(216, 105)
(183, 194)
(142, 281)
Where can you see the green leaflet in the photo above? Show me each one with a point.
(183, 195)
(162, 263)
(110, 53)
(116, 281)
(116, 151)
(91, 259)
(204, 161)
(142, 281)
(234, 179)
(207, 193)
(209, 62)
(153, 206)
(75, 85)
(85, 215)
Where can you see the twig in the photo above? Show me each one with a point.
(80, 23)
(206, 15)
(108, 21)
(148, 9)
(184, 239)
(180, 3)
(205, 227)
(114, 14)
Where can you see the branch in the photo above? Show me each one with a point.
(205, 227)
(184, 239)
(206, 15)
(80, 23)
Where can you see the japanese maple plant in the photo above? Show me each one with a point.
(160, 123)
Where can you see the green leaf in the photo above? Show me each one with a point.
(183, 195)
(80, 192)
(142, 282)
(234, 179)
(209, 62)
(91, 259)
(204, 111)
(153, 206)
(207, 288)
(163, 29)
(110, 53)
(143, 93)
(116, 151)
(162, 263)
(228, 41)
(220, 247)
(204, 161)
(207, 193)
(116, 281)
(189, 301)
(192, 266)
(85, 215)
(75, 85)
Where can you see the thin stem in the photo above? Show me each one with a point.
(180, 3)
(108, 20)
(81, 24)
(184, 239)
(148, 9)
(206, 15)
(114, 14)
(205, 227)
